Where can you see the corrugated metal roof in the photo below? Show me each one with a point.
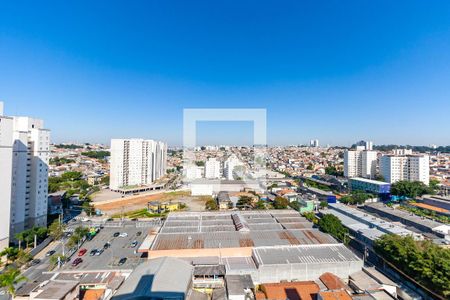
(234, 239)
(303, 254)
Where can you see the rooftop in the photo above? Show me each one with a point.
(150, 279)
(56, 289)
(332, 282)
(211, 230)
(377, 182)
(399, 213)
(302, 290)
(303, 254)
(335, 295)
(371, 220)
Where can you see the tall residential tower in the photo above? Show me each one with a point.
(136, 162)
(24, 156)
(360, 163)
(403, 165)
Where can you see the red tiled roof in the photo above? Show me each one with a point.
(302, 290)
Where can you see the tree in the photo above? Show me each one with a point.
(280, 203)
(295, 205)
(9, 278)
(310, 216)
(97, 154)
(331, 224)
(211, 204)
(88, 208)
(71, 176)
(23, 257)
(244, 201)
(355, 197)
(57, 258)
(105, 180)
(78, 234)
(310, 167)
(410, 189)
(323, 204)
(331, 170)
(426, 262)
(11, 253)
(56, 230)
(260, 205)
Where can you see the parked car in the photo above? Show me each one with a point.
(138, 233)
(123, 234)
(77, 261)
(34, 262)
(134, 219)
(82, 252)
(106, 245)
(98, 252)
(134, 244)
(50, 253)
(93, 251)
(116, 234)
(122, 261)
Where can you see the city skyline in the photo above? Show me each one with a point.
(337, 73)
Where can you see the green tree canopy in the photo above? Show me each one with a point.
(9, 278)
(244, 201)
(211, 204)
(426, 262)
(410, 189)
(56, 230)
(331, 224)
(280, 203)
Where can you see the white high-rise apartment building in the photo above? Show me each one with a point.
(136, 162)
(6, 142)
(314, 143)
(229, 165)
(360, 163)
(31, 153)
(24, 156)
(212, 168)
(192, 172)
(408, 167)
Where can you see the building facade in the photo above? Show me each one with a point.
(31, 153)
(136, 162)
(6, 142)
(314, 143)
(229, 165)
(24, 157)
(212, 168)
(379, 188)
(408, 167)
(360, 163)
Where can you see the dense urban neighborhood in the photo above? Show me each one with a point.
(224, 150)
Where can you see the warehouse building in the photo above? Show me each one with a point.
(397, 215)
(438, 201)
(304, 262)
(366, 227)
(230, 234)
(161, 278)
(379, 188)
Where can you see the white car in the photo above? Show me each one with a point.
(123, 234)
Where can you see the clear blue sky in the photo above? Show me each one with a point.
(339, 71)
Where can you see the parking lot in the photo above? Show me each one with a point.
(120, 248)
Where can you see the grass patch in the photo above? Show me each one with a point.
(140, 213)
